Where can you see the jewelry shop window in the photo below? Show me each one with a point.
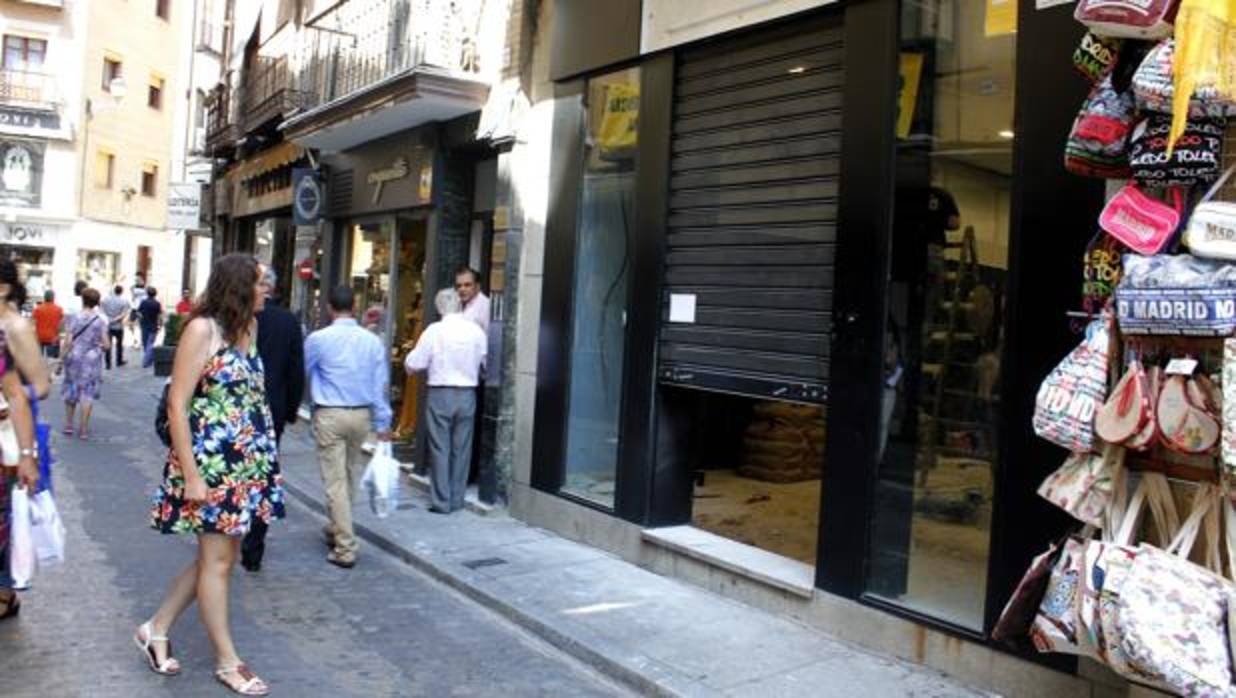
(605, 226)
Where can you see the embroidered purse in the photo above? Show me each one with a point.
(1144, 224)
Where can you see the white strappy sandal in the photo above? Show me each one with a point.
(142, 638)
(252, 686)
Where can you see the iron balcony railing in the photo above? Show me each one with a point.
(268, 91)
(28, 88)
(362, 42)
(222, 128)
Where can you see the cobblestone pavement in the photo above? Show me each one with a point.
(308, 628)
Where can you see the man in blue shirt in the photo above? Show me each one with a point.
(348, 373)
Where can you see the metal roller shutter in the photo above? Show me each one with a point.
(752, 213)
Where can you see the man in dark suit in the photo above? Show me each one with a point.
(281, 345)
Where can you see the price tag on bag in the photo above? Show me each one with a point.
(1181, 367)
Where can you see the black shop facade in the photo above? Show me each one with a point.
(804, 273)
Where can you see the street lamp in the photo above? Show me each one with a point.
(116, 89)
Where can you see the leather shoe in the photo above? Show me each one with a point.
(436, 510)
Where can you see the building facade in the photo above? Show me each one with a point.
(88, 106)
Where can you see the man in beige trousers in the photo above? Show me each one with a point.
(348, 374)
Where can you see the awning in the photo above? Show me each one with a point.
(270, 159)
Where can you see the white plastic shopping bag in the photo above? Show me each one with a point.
(21, 540)
(381, 480)
(46, 528)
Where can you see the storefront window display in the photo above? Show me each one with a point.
(34, 265)
(389, 301)
(99, 269)
(598, 343)
(944, 331)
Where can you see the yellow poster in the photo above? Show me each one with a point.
(1001, 18)
(910, 73)
(620, 122)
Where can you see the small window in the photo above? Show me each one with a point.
(150, 175)
(154, 98)
(112, 70)
(162, 8)
(23, 53)
(104, 169)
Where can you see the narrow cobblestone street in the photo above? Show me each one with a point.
(309, 629)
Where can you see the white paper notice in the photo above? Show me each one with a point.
(682, 307)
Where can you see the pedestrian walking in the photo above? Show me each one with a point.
(116, 310)
(185, 305)
(48, 319)
(348, 372)
(281, 344)
(137, 295)
(150, 317)
(75, 303)
(222, 471)
(25, 472)
(85, 345)
(452, 351)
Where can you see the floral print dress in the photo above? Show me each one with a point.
(83, 366)
(234, 447)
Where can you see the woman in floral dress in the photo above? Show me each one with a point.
(84, 346)
(26, 470)
(221, 472)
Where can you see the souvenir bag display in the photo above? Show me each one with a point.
(1141, 222)
(1098, 144)
(1055, 622)
(1066, 402)
(1155, 91)
(1096, 56)
(1195, 157)
(1211, 231)
(1171, 618)
(1133, 19)
(1127, 408)
(1013, 627)
(1083, 486)
(1188, 414)
(1176, 295)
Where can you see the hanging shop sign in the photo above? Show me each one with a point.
(21, 172)
(184, 206)
(307, 196)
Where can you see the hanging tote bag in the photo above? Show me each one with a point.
(1068, 398)
(1172, 613)
(1205, 62)
(21, 539)
(1055, 622)
(1211, 231)
(1195, 159)
(1083, 486)
(1143, 223)
(1132, 19)
(1098, 143)
(1013, 627)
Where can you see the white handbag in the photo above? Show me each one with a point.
(1212, 227)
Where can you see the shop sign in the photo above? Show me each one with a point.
(16, 117)
(184, 206)
(21, 172)
(397, 170)
(307, 196)
(29, 234)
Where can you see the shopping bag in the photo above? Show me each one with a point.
(21, 539)
(1083, 485)
(42, 437)
(46, 529)
(381, 481)
(1067, 400)
(1013, 628)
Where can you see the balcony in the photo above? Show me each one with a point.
(28, 89)
(222, 129)
(373, 67)
(209, 37)
(268, 92)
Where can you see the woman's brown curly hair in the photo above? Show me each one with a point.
(229, 295)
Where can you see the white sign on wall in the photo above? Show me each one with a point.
(669, 23)
(184, 206)
(21, 233)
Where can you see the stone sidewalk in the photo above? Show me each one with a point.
(658, 635)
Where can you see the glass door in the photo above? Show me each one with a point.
(944, 337)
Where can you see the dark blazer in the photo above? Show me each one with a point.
(281, 345)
